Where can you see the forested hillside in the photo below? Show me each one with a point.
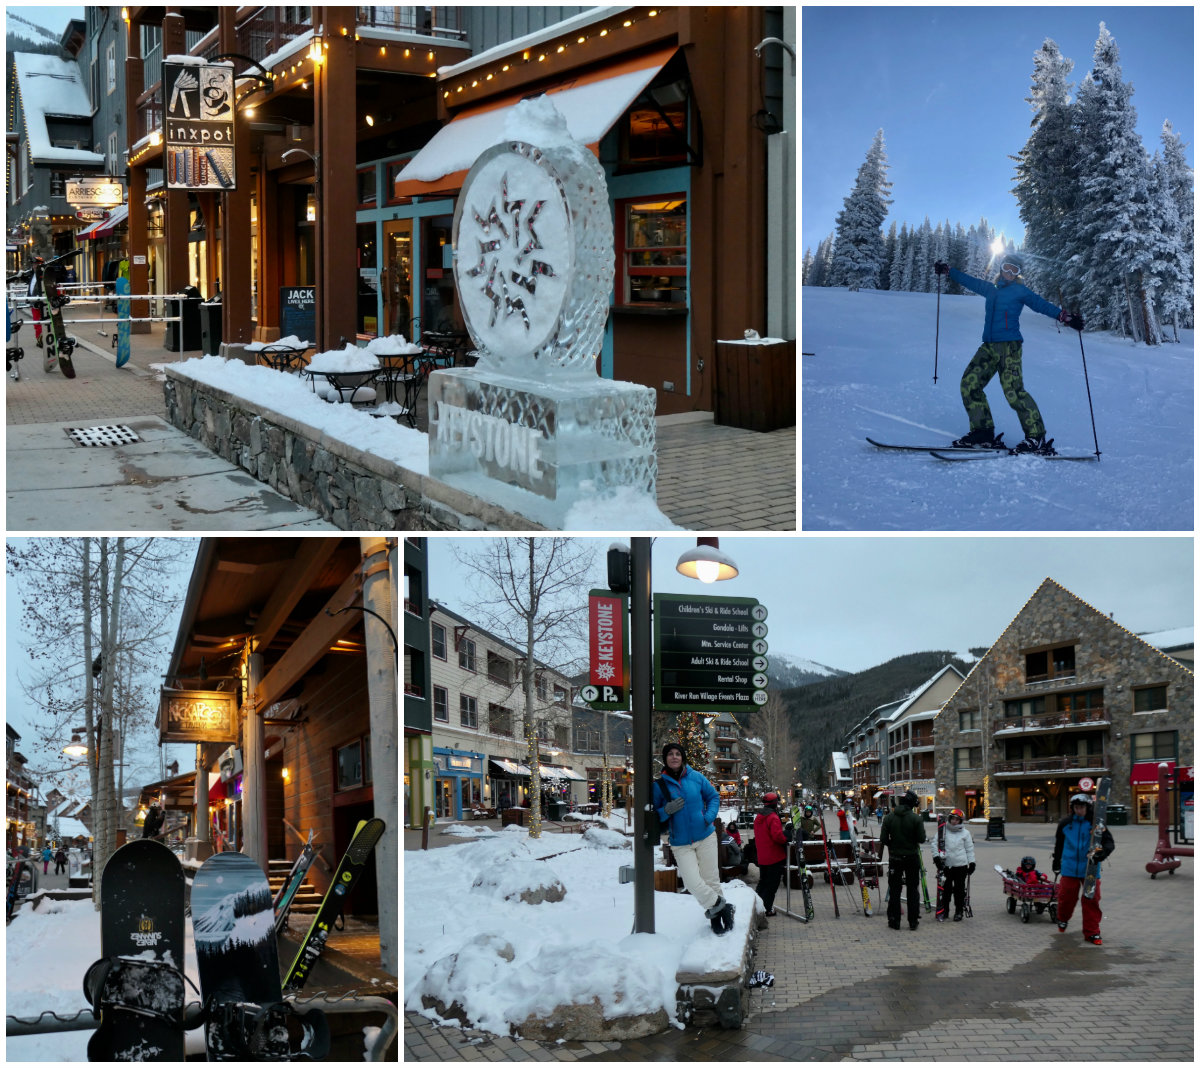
(823, 712)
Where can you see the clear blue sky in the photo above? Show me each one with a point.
(948, 87)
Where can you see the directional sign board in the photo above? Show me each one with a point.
(608, 645)
(710, 653)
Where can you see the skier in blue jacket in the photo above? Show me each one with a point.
(1072, 840)
(1001, 351)
(688, 804)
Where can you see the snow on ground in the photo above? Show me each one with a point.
(48, 949)
(517, 959)
(871, 374)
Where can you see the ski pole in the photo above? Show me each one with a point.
(937, 328)
(1088, 386)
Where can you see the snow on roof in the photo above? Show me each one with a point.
(50, 87)
(841, 764)
(1170, 639)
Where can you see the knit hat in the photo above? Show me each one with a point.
(909, 799)
(673, 745)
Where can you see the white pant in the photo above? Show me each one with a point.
(697, 864)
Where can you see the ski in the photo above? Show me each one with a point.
(942, 448)
(236, 955)
(287, 892)
(366, 836)
(1099, 820)
(797, 846)
(137, 987)
(829, 867)
(942, 909)
(924, 884)
(858, 867)
(974, 454)
(59, 344)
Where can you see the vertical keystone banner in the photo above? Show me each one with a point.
(198, 126)
(608, 645)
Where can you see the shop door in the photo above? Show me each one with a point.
(1147, 806)
(397, 276)
(444, 804)
(364, 899)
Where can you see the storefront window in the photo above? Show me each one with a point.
(654, 256)
(1157, 746)
(254, 256)
(655, 130)
(366, 188)
(368, 280)
(349, 766)
(439, 302)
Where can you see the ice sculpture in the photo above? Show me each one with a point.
(532, 426)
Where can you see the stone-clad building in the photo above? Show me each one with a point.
(1065, 693)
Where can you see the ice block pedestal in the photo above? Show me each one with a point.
(501, 437)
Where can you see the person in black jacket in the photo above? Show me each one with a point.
(903, 832)
(153, 822)
(1072, 848)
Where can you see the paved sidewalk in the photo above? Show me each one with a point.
(710, 477)
(988, 988)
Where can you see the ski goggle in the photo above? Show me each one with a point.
(1010, 269)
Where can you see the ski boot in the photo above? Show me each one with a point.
(984, 438)
(1038, 444)
(716, 916)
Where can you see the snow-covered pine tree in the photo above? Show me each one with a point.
(910, 259)
(889, 256)
(858, 246)
(806, 267)
(819, 275)
(1110, 233)
(1168, 278)
(1177, 181)
(1047, 176)
(923, 281)
(896, 274)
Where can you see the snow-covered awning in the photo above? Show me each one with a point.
(557, 771)
(590, 103)
(508, 767)
(104, 226)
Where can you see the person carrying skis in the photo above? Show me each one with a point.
(770, 844)
(1072, 840)
(688, 804)
(903, 832)
(1001, 352)
(958, 860)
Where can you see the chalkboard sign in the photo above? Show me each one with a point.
(298, 312)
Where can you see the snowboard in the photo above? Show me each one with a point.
(295, 879)
(137, 987)
(942, 907)
(58, 340)
(1099, 821)
(858, 867)
(123, 304)
(366, 836)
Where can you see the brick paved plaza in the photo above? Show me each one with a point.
(991, 987)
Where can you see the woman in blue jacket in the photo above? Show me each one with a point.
(687, 805)
(1001, 351)
(1072, 840)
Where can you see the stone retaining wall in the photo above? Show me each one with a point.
(352, 489)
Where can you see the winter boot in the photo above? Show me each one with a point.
(1036, 444)
(984, 438)
(715, 916)
(727, 916)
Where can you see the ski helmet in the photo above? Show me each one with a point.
(770, 798)
(808, 810)
(1028, 863)
(909, 799)
(956, 812)
(1081, 799)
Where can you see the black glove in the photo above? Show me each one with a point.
(941, 268)
(789, 831)
(971, 868)
(671, 807)
(940, 862)
(1072, 319)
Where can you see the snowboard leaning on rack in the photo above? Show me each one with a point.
(234, 926)
(137, 987)
(352, 865)
(1099, 823)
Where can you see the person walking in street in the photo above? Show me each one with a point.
(902, 833)
(687, 804)
(1001, 353)
(770, 844)
(1072, 842)
(843, 825)
(47, 856)
(958, 860)
(60, 861)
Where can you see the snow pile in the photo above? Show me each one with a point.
(292, 397)
(497, 961)
(603, 838)
(289, 342)
(394, 345)
(520, 880)
(870, 373)
(350, 358)
(461, 830)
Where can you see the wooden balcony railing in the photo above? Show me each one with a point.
(1061, 763)
(1075, 718)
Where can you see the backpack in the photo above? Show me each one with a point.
(750, 853)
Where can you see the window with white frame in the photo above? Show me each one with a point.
(468, 712)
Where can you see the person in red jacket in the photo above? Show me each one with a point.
(770, 844)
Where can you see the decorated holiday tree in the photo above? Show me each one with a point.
(691, 731)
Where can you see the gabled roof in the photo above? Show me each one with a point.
(49, 87)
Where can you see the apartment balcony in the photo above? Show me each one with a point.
(1085, 718)
(1097, 762)
(867, 756)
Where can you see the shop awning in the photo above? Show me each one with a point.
(1147, 771)
(556, 771)
(591, 103)
(105, 226)
(507, 767)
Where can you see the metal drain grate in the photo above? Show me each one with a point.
(101, 436)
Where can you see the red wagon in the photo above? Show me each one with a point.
(1029, 897)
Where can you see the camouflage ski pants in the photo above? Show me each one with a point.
(1005, 357)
